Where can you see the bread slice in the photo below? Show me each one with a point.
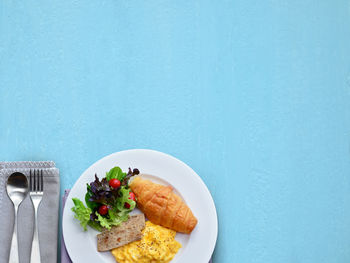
(118, 236)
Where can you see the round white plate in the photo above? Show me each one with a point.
(161, 168)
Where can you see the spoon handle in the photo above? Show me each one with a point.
(14, 245)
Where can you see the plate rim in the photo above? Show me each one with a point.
(198, 178)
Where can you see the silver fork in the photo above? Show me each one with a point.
(36, 192)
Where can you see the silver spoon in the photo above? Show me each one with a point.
(17, 190)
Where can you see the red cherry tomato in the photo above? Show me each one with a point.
(132, 196)
(115, 183)
(103, 210)
(127, 205)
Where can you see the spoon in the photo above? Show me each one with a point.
(17, 189)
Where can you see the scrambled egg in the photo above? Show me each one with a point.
(158, 245)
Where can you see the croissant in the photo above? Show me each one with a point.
(163, 207)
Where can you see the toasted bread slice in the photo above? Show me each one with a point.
(118, 236)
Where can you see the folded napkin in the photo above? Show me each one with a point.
(48, 213)
(64, 255)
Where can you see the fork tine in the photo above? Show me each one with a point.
(42, 181)
(30, 180)
(34, 181)
(37, 181)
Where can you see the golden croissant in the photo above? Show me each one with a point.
(162, 207)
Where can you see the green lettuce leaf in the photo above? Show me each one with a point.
(114, 219)
(116, 173)
(96, 225)
(92, 205)
(82, 213)
(124, 198)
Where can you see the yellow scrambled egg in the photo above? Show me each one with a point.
(158, 245)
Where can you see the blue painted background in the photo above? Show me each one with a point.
(254, 95)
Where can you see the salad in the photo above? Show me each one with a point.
(108, 201)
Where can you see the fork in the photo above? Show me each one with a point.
(36, 192)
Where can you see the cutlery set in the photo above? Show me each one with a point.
(17, 189)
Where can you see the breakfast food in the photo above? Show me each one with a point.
(158, 245)
(127, 232)
(130, 238)
(163, 207)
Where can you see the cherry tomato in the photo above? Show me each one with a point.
(127, 205)
(115, 183)
(103, 210)
(132, 196)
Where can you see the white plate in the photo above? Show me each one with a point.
(196, 247)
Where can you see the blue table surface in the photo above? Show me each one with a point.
(253, 95)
